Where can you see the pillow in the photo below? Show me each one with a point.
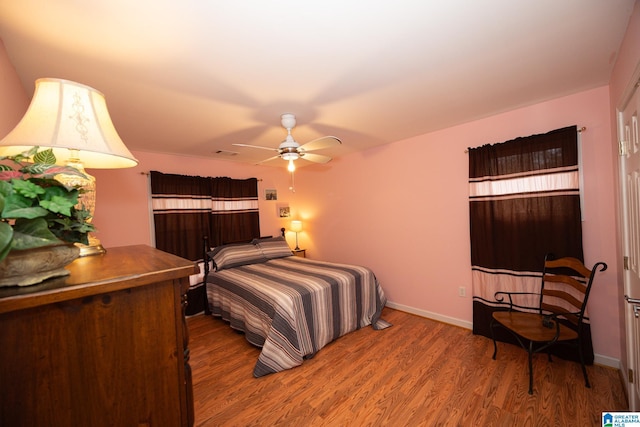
(236, 254)
(274, 247)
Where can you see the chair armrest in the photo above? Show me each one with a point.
(552, 321)
(501, 295)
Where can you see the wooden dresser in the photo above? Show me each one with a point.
(105, 346)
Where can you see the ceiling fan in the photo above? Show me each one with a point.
(291, 150)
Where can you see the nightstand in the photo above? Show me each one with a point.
(300, 252)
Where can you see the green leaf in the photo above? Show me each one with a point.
(46, 157)
(4, 193)
(16, 206)
(25, 155)
(27, 188)
(5, 188)
(6, 236)
(32, 233)
(83, 216)
(35, 169)
(70, 231)
(64, 170)
(59, 200)
(58, 204)
(57, 190)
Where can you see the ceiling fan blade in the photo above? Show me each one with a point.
(256, 146)
(268, 160)
(320, 143)
(316, 158)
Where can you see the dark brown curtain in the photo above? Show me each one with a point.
(524, 202)
(187, 208)
(181, 213)
(234, 211)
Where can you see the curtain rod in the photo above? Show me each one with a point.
(580, 130)
(148, 173)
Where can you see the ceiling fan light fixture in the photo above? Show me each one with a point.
(291, 167)
(290, 155)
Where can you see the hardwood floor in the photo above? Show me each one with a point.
(419, 372)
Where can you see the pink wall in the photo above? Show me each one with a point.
(400, 209)
(13, 98)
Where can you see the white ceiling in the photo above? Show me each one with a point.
(193, 77)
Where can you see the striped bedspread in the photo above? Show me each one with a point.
(293, 306)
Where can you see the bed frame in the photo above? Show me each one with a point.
(206, 259)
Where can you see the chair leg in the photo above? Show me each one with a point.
(495, 346)
(530, 367)
(584, 368)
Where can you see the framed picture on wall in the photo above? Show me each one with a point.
(285, 212)
(271, 194)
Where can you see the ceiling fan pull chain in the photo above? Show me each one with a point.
(292, 187)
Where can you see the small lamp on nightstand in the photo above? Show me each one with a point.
(296, 227)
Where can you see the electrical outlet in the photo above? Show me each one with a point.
(462, 291)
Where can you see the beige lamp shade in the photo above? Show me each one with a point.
(67, 116)
(296, 226)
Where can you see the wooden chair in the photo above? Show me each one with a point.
(559, 316)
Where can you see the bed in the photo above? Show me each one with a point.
(289, 306)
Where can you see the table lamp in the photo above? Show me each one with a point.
(296, 227)
(72, 119)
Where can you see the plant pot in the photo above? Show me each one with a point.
(31, 266)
